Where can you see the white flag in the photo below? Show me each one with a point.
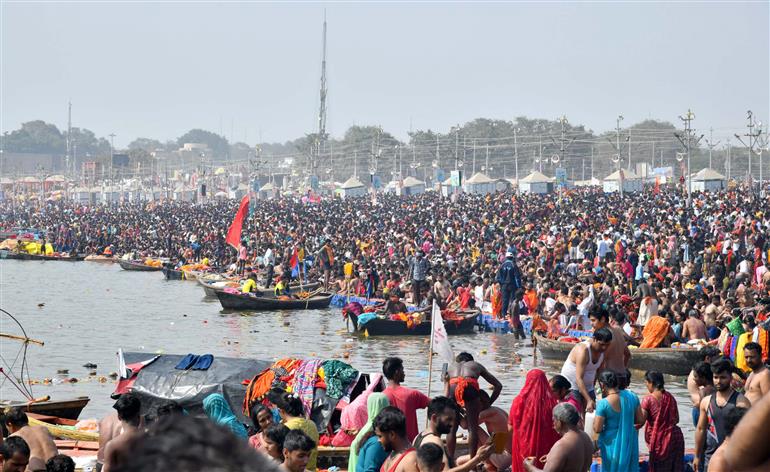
(439, 339)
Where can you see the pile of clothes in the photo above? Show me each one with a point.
(313, 381)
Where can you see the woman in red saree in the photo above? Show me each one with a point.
(663, 436)
(531, 421)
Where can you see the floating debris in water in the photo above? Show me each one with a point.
(89, 365)
(113, 375)
(40, 305)
(63, 371)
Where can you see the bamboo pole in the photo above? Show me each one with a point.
(21, 338)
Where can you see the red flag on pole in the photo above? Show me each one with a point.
(294, 261)
(234, 232)
(657, 185)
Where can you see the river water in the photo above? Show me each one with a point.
(90, 310)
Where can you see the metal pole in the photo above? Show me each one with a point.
(486, 163)
(728, 159)
(540, 153)
(516, 157)
(474, 155)
(617, 138)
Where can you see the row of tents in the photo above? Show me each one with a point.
(536, 182)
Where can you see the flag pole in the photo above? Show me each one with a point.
(430, 350)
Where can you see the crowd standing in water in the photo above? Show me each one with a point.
(643, 270)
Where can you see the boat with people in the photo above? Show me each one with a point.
(232, 300)
(667, 360)
(212, 286)
(138, 265)
(410, 324)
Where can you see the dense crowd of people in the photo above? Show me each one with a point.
(640, 270)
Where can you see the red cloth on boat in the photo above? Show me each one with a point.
(531, 420)
(663, 436)
(461, 383)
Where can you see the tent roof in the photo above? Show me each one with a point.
(29, 180)
(267, 187)
(412, 182)
(536, 178)
(479, 178)
(627, 175)
(708, 174)
(352, 182)
(56, 178)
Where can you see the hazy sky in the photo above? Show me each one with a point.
(158, 69)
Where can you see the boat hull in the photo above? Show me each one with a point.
(69, 409)
(380, 327)
(42, 257)
(172, 274)
(669, 361)
(231, 301)
(138, 266)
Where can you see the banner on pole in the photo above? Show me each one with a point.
(439, 339)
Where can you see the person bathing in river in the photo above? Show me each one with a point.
(462, 384)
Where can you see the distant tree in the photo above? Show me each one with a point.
(240, 151)
(36, 137)
(218, 144)
(147, 144)
(84, 141)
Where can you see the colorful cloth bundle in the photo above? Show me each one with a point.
(338, 376)
(304, 382)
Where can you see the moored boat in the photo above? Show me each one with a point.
(211, 287)
(238, 301)
(44, 257)
(461, 323)
(173, 274)
(138, 266)
(101, 258)
(665, 360)
(68, 408)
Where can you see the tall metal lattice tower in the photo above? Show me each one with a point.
(321, 138)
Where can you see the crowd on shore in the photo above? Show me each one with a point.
(643, 269)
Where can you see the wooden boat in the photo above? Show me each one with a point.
(67, 409)
(43, 257)
(388, 327)
(173, 274)
(232, 301)
(665, 360)
(137, 265)
(101, 258)
(211, 291)
(61, 428)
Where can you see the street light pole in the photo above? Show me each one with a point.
(112, 154)
(516, 157)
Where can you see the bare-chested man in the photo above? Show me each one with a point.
(39, 440)
(617, 355)
(571, 453)
(463, 386)
(694, 328)
(758, 383)
(390, 428)
(128, 408)
(700, 382)
(109, 428)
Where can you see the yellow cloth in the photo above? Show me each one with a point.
(309, 428)
(655, 332)
(740, 358)
(348, 269)
(249, 286)
(48, 249)
(205, 261)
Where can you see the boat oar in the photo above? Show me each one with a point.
(22, 338)
(39, 400)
